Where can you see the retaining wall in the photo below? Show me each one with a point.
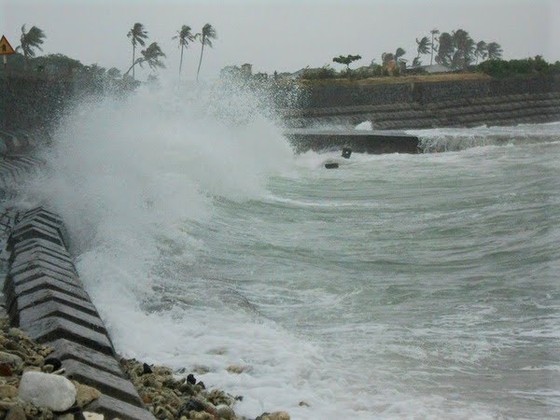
(431, 104)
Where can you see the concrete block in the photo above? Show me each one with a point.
(47, 330)
(38, 252)
(44, 295)
(30, 315)
(107, 383)
(24, 260)
(38, 272)
(13, 290)
(38, 244)
(42, 212)
(45, 218)
(66, 349)
(114, 408)
(47, 282)
(32, 232)
(40, 264)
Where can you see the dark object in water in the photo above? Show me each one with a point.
(346, 152)
(331, 165)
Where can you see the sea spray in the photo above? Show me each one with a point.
(398, 286)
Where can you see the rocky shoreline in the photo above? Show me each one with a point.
(166, 395)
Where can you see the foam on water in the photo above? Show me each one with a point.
(454, 139)
(372, 291)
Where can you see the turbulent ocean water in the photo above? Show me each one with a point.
(397, 286)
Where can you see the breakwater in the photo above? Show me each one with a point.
(426, 104)
(45, 298)
(372, 142)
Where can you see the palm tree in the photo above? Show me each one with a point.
(481, 50)
(464, 49)
(137, 36)
(494, 51)
(434, 32)
(423, 47)
(206, 36)
(30, 41)
(151, 55)
(446, 49)
(184, 36)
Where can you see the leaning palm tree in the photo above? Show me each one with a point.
(30, 41)
(494, 51)
(184, 36)
(151, 55)
(206, 36)
(423, 47)
(137, 36)
(480, 50)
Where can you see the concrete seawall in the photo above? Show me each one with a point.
(45, 298)
(401, 106)
(377, 142)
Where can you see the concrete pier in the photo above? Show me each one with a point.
(373, 142)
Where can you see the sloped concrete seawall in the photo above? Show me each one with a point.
(45, 298)
(399, 106)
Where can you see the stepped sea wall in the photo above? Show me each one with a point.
(426, 104)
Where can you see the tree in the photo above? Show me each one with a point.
(494, 51)
(464, 49)
(423, 47)
(30, 41)
(434, 32)
(137, 36)
(446, 49)
(346, 60)
(184, 36)
(481, 50)
(393, 62)
(206, 36)
(151, 55)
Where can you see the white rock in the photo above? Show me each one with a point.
(93, 416)
(47, 390)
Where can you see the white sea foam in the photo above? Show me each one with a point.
(205, 243)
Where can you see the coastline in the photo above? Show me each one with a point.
(41, 290)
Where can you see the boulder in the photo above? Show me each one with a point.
(47, 390)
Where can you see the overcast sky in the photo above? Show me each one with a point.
(282, 35)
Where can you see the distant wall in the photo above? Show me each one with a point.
(332, 95)
(31, 102)
(430, 104)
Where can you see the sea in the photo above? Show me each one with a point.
(416, 286)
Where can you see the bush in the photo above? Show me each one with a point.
(513, 68)
(325, 72)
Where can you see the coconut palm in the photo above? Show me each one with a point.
(464, 49)
(423, 47)
(481, 50)
(494, 51)
(184, 36)
(151, 55)
(206, 36)
(434, 32)
(30, 41)
(137, 36)
(446, 49)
